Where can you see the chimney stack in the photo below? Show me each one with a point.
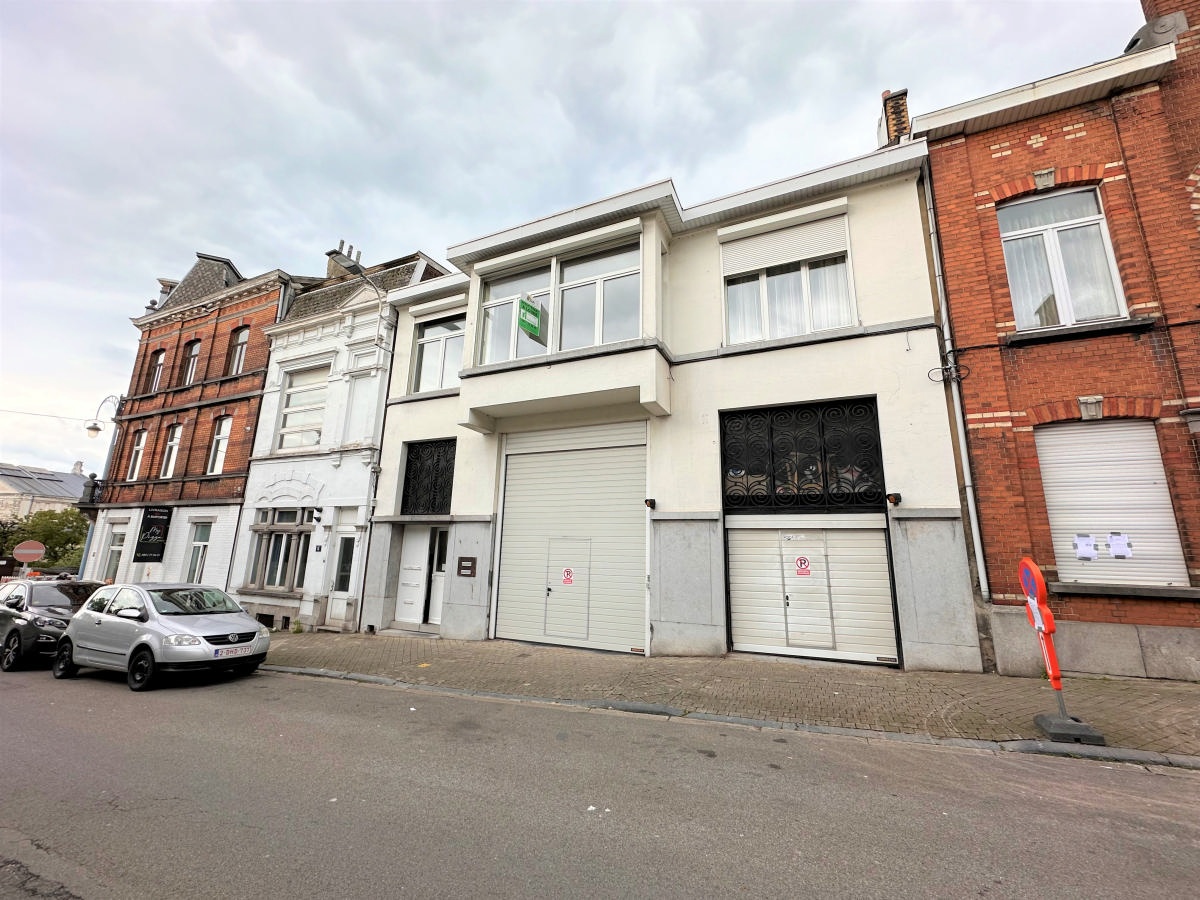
(894, 123)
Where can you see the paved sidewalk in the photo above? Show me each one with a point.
(1143, 720)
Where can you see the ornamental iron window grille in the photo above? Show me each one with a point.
(428, 478)
(813, 457)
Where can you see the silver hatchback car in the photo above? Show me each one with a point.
(145, 629)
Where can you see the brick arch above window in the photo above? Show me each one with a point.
(1064, 177)
(1111, 408)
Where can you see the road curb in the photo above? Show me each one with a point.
(635, 707)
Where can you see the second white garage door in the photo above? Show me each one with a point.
(573, 540)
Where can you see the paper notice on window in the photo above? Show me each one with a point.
(1085, 547)
(1119, 545)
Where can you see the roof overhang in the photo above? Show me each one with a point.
(1085, 85)
(661, 196)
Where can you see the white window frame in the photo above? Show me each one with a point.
(311, 398)
(282, 540)
(135, 459)
(171, 451)
(158, 360)
(549, 298)
(804, 267)
(239, 340)
(437, 344)
(1054, 259)
(191, 362)
(112, 554)
(222, 427)
(198, 552)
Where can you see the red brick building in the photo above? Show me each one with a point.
(176, 476)
(1067, 213)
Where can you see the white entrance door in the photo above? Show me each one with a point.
(439, 547)
(573, 539)
(414, 574)
(821, 592)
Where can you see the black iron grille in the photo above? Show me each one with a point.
(244, 637)
(428, 478)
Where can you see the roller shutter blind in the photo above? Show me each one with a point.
(1107, 498)
(812, 240)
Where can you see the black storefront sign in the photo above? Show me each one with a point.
(152, 538)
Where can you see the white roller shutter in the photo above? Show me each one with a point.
(812, 240)
(1111, 519)
(838, 606)
(573, 540)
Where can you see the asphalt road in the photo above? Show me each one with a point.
(285, 786)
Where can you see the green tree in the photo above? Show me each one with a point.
(63, 531)
(8, 535)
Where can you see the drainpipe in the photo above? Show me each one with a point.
(960, 427)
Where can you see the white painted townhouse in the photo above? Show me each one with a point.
(640, 427)
(301, 545)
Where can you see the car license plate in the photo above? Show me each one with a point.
(232, 651)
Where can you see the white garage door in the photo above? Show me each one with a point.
(1110, 511)
(813, 591)
(573, 539)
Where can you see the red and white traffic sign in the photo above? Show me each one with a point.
(1037, 610)
(568, 576)
(803, 566)
(29, 551)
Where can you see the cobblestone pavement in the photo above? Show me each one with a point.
(1161, 717)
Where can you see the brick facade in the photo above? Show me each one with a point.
(1140, 148)
(214, 393)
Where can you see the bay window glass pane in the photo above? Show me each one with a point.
(286, 517)
(428, 365)
(497, 332)
(785, 301)
(452, 353)
(301, 548)
(742, 303)
(276, 558)
(578, 317)
(829, 293)
(1089, 278)
(622, 309)
(1029, 282)
(512, 285)
(1047, 211)
(600, 264)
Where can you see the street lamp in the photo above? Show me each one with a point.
(94, 427)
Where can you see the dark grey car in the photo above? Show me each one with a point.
(33, 616)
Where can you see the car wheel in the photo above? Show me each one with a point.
(64, 664)
(140, 676)
(10, 655)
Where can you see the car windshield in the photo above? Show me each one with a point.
(61, 593)
(192, 601)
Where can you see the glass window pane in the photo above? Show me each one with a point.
(829, 293)
(439, 329)
(1029, 282)
(785, 302)
(301, 548)
(497, 332)
(428, 365)
(745, 317)
(275, 560)
(341, 580)
(512, 285)
(600, 264)
(452, 353)
(622, 310)
(1047, 211)
(578, 317)
(286, 517)
(302, 417)
(1089, 278)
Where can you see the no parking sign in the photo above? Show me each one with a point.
(802, 566)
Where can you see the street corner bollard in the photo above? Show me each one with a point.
(1062, 727)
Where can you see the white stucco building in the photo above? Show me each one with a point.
(726, 430)
(300, 550)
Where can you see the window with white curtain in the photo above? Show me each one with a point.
(201, 534)
(135, 458)
(220, 444)
(156, 370)
(303, 408)
(191, 362)
(279, 558)
(1061, 268)
(171, 452)
(789, 300)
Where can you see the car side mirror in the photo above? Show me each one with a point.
(14, 603)
(130, 612)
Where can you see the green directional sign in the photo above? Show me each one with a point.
(531, 318)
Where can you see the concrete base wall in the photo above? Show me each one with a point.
(1093, 648)
(687, 586)
(467, 604)
(934, 598)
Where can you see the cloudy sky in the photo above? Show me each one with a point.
(133, 134)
